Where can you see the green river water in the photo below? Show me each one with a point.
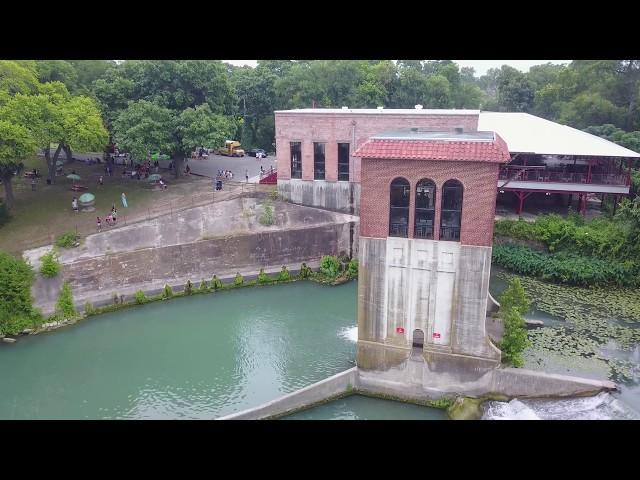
(211, 355)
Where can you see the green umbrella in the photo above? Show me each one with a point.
(73, 177)
(59, 162)
(87, 198)
(155, 177)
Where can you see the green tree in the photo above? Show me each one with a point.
(65, 302)
(515, 93)
(16, 278)
(17, 77)
(16, 144)
(58, 71)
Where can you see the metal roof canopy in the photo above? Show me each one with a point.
(525, 133)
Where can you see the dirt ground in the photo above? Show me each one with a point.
(40, 216)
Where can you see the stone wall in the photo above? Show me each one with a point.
(337, 196)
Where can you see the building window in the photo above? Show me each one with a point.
(343, 162)
(425, 209)
(399, 208)
(296, 160)
(318, 161)
(451, 212)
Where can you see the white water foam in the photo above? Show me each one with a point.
(349, 333)
(600, 407)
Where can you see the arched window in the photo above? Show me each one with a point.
(399, 208)
(425, 209)
(451, 212)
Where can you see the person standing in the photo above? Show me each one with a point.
(246, 175)
(124, 201)
(99, 224)
(74, 204)
(100, 181)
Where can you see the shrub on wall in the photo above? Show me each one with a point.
(238, 280)
(188, 288)
(263, 278)
(203, 286)
(16, 303)
(89, 309)
(65, 302)
(140, 297)
(50, 266)
(330, 266)
(284, 274)
(305, 271)
(167, 292)
(352, 268)
(216, 284)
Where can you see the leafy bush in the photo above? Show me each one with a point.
(16, 278)
(284, 274)
(238, 280)
(330, 266)
(267, 215)
(514, 340)
(273, 194)
(514, 304)
(204, 287)
(65, 302)
(352, 268)
(565, 267)
(67, 240)
(140, 297)
(50, 266)
(305, 271)
(167, 292)
(216, 284)
(188, 288)
(115, 297)
(13, 324)
(263, 278)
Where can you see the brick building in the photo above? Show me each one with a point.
(426, 228)
(317, 167)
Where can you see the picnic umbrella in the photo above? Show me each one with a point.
(154, 178)
(73, 177)
(59, 162)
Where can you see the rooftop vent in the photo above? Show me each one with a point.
(345, 108)
(418, 107)
(414, 129)
(380, 108)
(459, 129)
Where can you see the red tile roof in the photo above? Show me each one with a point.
(495, 151)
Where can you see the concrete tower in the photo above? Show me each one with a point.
(426, 226)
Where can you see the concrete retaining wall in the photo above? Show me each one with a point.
(338, 196)
(305, 397)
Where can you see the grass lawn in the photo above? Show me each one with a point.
(39, 217)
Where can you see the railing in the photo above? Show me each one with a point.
(398, 229)
(545, 175)
(450, 233)
(423, 231)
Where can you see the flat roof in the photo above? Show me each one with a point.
(527, 133)
(417, 134)
(384, 111)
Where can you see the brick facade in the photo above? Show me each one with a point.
(479, 197)
(352, 128)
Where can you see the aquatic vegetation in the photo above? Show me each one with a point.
(593, 318)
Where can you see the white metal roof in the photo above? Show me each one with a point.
(382, 111)
(530, 134)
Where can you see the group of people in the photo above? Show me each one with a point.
(110, 219)
(228, 174)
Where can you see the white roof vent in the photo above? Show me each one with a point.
(345, 108)
(380, 108)
(418, 107)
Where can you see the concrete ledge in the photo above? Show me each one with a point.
(321, 391)
(516, 382)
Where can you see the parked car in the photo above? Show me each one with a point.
(252, 152)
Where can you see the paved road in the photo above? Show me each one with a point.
(238, 165)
